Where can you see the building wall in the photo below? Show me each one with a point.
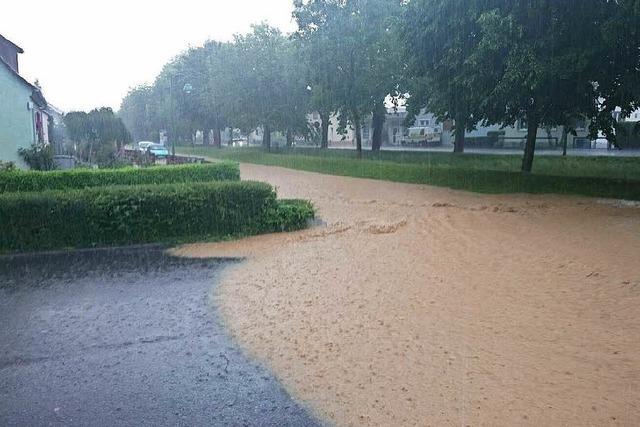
(516, 134)
(634, 117)
(16, 120)
(394, 130)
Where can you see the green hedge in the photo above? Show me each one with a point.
(85, 178)
(289, 215)
(141, 214)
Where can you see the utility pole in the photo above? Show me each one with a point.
(173, 118)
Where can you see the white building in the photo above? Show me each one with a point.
(428, 131)
(394, 133)
(633, 117)
(514, 136)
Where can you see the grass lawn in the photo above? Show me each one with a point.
(609, 177)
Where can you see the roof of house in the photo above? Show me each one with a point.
(15, 46)
(36, 94)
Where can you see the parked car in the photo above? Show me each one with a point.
(158, 150)
(144, 145)
(240, 142)
(421, 137)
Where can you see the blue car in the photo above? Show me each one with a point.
(158, 150)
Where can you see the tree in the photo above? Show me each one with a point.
(99, 135)
(319, 51)
(362, 35)
(617, 63)
(265, 89)
(297, 103)
(438, 37)
(538, 60)
(206, 70)
(137, 113)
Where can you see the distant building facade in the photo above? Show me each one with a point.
(427, 131)
(394, 132)
(633, 117)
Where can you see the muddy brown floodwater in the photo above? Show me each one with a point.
(416, 305)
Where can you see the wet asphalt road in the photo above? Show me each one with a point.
(125, 337)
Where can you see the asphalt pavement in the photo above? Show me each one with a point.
(126, 337)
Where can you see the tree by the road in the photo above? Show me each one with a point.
(438, 38)
(319, 51)
(99, 135)
(266, 90)
(540, 61)
(364, 52)
(137, 113)
(617, 63)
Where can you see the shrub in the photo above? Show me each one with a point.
(289, 215)
(85, 178)
(7, 166)
(38, 157)
(142, 214)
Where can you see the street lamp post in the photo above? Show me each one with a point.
(187, 88)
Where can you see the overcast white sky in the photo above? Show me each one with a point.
(88, 53)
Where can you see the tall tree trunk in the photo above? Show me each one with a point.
(266, 137)
(358, 130)
(230, 142)
(460, 128)
(325, 118)
(217, 138)
(530, 148)
(289, 138)
(565, 134)
(205, 137)
(377, 123)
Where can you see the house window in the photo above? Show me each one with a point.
(424, 123)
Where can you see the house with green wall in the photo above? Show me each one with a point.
(24, 118)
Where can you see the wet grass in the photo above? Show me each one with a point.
(608, 177)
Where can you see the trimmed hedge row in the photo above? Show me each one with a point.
(86, 178)
(141, 214)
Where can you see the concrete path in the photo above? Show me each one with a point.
(125, 337)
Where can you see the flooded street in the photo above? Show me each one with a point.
(125, 337)
(417, 305)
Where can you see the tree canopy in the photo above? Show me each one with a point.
(540, 64)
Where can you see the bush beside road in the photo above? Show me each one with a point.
(20, 180)
(142, 214)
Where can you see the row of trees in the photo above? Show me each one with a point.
(547, 62)
(256, 81)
